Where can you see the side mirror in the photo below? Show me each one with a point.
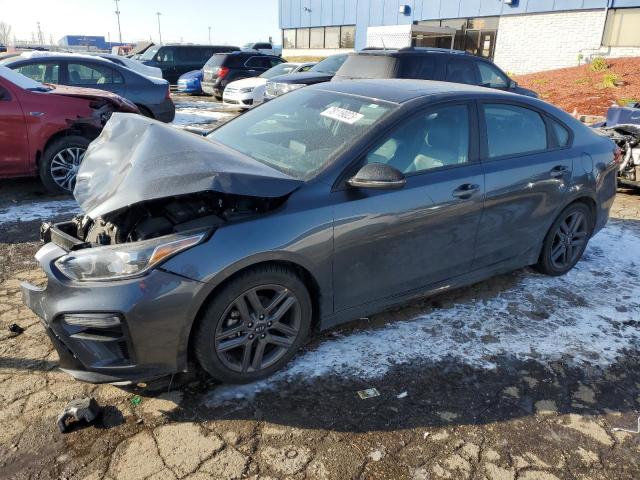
(513, 84)
(379, 176)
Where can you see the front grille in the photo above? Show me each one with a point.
(232, 90)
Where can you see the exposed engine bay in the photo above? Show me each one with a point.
(160, 217)
(627, 138)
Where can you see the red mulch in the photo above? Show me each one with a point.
(580, 88)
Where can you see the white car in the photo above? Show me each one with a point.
(249, 92)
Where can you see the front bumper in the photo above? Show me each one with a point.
(165, 111)
(155, 318)
(188, 87)
(238, 99)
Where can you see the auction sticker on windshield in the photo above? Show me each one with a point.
(342, 115)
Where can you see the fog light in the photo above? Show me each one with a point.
(92, 320)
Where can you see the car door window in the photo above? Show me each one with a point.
(491, 76)
(437, 138)
(166, 55)
(83, 74)
(513, 130)
(423, 67)
(259, 62)
(461, 71)
(561, 133)
(46, 72)
(273, 61)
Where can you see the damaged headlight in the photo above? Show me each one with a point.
(126, 260)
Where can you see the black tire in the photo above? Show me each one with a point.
(565, 242)
(145, 111)
(218, 97)
(61, 154)
(232, 333)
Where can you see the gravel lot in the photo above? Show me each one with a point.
(522, 376)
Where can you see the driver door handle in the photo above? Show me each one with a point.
(559, 171)
(466, 191)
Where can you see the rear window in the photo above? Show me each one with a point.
(369, 66)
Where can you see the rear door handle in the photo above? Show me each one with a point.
(466, 191)
(559, 171)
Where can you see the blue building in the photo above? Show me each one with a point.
(520, 35)
(87, 42)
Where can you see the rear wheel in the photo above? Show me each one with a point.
(566, 240)
(61, 161)
(254, 325)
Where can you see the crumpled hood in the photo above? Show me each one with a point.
(94, 94)
(136, 159)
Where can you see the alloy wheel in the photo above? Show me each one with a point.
(258, 328)
(569, 240)
(65, 165)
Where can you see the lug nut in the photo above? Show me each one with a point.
(250, 324)
(251, 337)
(269, 324)
(261, 317)
(262, 336)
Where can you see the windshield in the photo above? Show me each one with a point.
(281, 69)
(22, 81)
(149, 53)
(299, 133)
(329, 64)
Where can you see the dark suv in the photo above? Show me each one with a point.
(428, 64)
(176, 60)
(222, 69)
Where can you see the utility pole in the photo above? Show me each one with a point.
(209, 35)
(118, 15)
(40, 37)
(159, 32)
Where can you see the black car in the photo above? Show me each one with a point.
(222, 69)
(428, 64)
(321, 72)
(3, 48)
(150, 95)
(176, 60)
(319, 207)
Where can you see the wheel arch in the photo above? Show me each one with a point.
(84, 131)
(309, 280)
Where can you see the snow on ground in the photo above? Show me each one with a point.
(586, 316)
(29, 212)
(195, 116)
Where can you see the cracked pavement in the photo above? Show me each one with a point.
(523, 418)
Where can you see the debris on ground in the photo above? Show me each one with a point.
(402, 395)
(82, 409)
(136, 400)
(15, 330)
(637, 431)
(368, 393)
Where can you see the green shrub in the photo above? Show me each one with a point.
(599, 64)
(626, 100)
(609, 80)
(582, 81)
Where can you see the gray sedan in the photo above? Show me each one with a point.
(151, 95)
(322, 206)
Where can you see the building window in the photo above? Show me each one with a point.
(348, 36)
(332, 37)
(622, 28)
(474, 35)
(317, 37)
(302, 38)
(289, 38)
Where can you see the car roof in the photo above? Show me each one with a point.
(413, 51)
(397, 90)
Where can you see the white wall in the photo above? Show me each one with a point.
(313, 52)
(546, 41)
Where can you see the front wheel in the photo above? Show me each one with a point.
(254, 325)
(566, 240)
(61, 161)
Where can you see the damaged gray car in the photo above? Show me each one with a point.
(325, 205)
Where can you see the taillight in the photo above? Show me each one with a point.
(222, 72)
(617, 155)
(167, 95)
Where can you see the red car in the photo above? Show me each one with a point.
(45, 129)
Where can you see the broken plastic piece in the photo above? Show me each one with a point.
(402, 395)
(136, 400)
(368, 393)
(86, 409)
(15, 330)
(637, 432)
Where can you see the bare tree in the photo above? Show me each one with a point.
(5, 33)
